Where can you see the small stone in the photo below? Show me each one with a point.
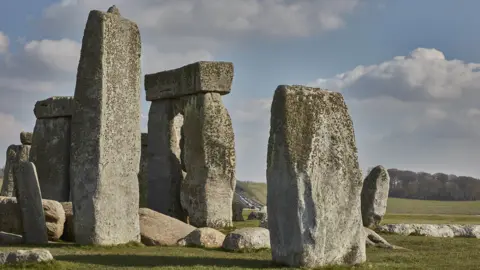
(25, 256)
(374, 196)
(26, 138)
(247, 239)
(114, 10)
(203, 237)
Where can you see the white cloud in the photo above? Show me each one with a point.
(4, 42)
(62, 55)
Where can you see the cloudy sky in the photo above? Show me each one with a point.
(409, 70)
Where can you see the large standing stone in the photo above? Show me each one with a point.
(207, 191)
(374, 196)
(51, 147)
(164, 162)
(142, 175)
(30, 200)
(105, 148)
(15, 155)
(237, 208)
(26, 138)
(313, 179)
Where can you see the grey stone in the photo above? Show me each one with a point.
(68, 231)
(10, 239)
(256, 215)
(199, 77)
(15, 155)
(54, 107)
(252, 238)
(25, 256)
(30, 200)
(313, 180)
(264, 222)
(142, 174)
(114, 10)
(105, 140)
(237, 208)
(26, 138)
(164, 162)
(11, 220)
(203, 237)
(209, 158)
(432, 230)
(374, 196)
(51, 154)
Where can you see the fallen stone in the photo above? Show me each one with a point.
(11, 221)
(26, 138)
(54, 107)
(10, 239)
(432, 230)
(247, 239)
(25, 256)
(68, 232)
(374, 240)
(197, 78)
(157, 229)
(29, 198)
(203, 237)
(209, 158)
(374, 196)
(256, 215)
(105, 137)
(314, 180)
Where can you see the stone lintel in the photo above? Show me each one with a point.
(199, 77)
(54, 107)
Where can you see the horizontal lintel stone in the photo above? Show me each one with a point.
(54, 107)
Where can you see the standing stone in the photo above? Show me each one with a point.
(142, 175)
(374, 196)
(207, 191)
(15, 155)
(165, 173)
(30, 200)
(51, 147)
(105, 140)
(237, 208)
(313, 180)
(26, 138)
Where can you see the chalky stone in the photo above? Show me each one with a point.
(374, 196)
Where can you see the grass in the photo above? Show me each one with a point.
(257, 191)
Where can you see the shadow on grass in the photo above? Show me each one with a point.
(150, 261)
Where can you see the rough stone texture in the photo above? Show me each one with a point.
(164, 162)
(258, 215)
(142, 174)
(30, 200)
(68, 232)
(51, 154)
(314, 180)
(203, 237)
(105, 140)
(199, 77)
(432, 230)
(26, 138)
(374, 240)
(237, 208)
(11, 221)
(54, 107)
(25, 256)
(209, 158)
(264, 222)
(10, 239)
(161, 230)
(15, 155)
(247, 239)
(374, 196)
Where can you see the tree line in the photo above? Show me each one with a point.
(438, 186)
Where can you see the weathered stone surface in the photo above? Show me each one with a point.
(142, 174)
(247, 239)
(164, 162)
(29, 198)
(26, 138)
(15, 155)
(375, 240)
(313, 179)
(51, 154)
(196, 78)
(203, 237)
(432, 230)
(10, 239)
(105, 140)
(68, 232)
(11, 221)
(25, 256)
(237, 208)
(374, 196)
(258, 215)
(54, 107)
(161, 230)
(264, 222)
(209, 158)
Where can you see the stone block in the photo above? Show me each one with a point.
(26, 138)
(54, 107)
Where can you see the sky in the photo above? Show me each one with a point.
(408, 70)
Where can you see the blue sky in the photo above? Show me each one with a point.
(418, 111)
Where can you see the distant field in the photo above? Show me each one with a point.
(257, 191)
